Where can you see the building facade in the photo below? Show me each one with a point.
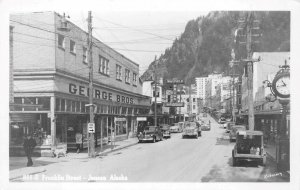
(201, 87)
(51, 85)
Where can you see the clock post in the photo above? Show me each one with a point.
(281, 89)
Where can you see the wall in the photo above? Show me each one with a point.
(33, 41)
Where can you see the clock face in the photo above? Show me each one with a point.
(281, 86)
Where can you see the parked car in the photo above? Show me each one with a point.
(234, 130)
(205, 127)
(228, 126)
(249, 146)
(222, 120)
(150, 133)
(165, 128)
(192, 129)
(175, 128)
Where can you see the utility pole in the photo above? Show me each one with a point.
(250, 71)
(155, 86)
(90, 63)
(248, 23)
(190, 101)
(233, 97)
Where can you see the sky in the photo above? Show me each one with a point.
(138, 35)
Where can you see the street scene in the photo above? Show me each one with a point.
(206, 159)
(211, 104)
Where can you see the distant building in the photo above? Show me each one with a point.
(201, 87)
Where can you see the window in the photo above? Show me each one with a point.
(118, 72)
(127, 75)
(194, 99)
(157, 93)
(61, 41)
(72, 47)
(134, 79)
(103, 65)
(194, 107)
(84, 55)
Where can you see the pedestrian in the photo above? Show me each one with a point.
(29, 144)
(78, 137)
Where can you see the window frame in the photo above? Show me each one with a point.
(62, 44)
(103, 66)
(134, 79)
(127, 76)
(73, 51)
(118, 72)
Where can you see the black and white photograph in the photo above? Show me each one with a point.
(150, 94)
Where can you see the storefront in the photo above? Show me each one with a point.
(54, 118)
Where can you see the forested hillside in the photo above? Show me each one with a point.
(206, 43)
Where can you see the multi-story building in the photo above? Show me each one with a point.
(51, 85)
(201, 87)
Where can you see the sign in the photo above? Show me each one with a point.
(175, 81)
(91, 127)
(174, 104)
(120, 119)
(141, 119)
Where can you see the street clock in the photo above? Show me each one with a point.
(281, 85)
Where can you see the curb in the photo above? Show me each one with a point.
(119, 148)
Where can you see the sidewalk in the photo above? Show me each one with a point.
(17, 165)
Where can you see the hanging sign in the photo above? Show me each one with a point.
(91, 127)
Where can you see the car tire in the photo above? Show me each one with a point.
(234, 161)
(263, 162)
(140, 141)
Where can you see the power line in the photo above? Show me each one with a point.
(136, 29)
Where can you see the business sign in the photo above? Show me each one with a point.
(174, 104)
(175, 81)
(91, 127)
(120, 119)
(141, 119)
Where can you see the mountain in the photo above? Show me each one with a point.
(206, 43)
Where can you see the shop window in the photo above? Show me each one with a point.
(63, 105)
(77, 106)
(82, 107)
(73, 106)
(18, 100)
(57, 104)
(45, 102)
(69, 103)
(30, 102)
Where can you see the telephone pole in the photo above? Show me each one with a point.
(91, 148)
(155, 86)
(248, 23)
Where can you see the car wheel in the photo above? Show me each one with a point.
(234, 161)
(140, 141)
(263, 161)
(154, 139)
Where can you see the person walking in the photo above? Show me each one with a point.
(78, 137)
(113, 139)
(29, 144)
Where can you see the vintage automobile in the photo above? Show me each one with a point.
(205, 126)
(150, 133)
(222, 120)
(176, 128)
(249, 146)
(234, 130)
(192, 129)
(165, 128)
(228, 126)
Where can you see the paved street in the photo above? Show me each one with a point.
(206, 159)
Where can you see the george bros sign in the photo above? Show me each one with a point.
(84, 91)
